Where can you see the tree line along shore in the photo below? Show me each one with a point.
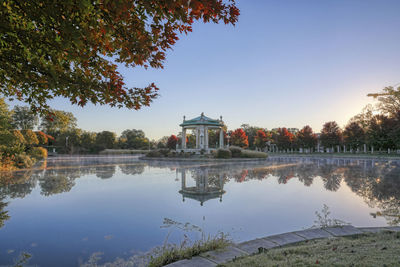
(26, 137)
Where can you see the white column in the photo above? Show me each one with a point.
(201, 137)
(197, 137)
(221, 138)
(183, 138)
(206, 137)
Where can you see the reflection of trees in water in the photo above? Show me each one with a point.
(132, 169)
(55, 179)
(20, 190)
(56, 184)
(377, 182)
(332, 182)
(105, 172)
(3, 213)
(331, 176)
(306, 173)
(20, 186)
(390, 210)
(379, 186)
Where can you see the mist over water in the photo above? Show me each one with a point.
(76, 206)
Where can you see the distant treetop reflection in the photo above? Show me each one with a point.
(377, 182)
(60, 174)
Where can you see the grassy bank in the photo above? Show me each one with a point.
(379, 249)
(172, 253)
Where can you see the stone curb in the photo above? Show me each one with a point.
(215, 257)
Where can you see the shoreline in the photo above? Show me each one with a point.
(335, 156)
(204, 159)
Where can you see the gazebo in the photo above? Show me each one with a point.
(201, 125)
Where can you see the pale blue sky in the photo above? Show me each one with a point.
(286, 63)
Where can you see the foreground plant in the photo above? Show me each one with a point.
(187, 249)
(168, 252)
(323, 219)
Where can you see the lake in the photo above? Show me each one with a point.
(78, 206)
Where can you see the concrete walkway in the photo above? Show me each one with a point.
(213, 258)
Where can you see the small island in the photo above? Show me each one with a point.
(201, 126)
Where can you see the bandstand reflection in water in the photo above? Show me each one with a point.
(209, 184)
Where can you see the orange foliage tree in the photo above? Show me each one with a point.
(306, 137)
(261, 139)
(42, 137)
(239, 138)
(70, 48)
(284, 139)
(172, 141)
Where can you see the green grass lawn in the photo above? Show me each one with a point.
(381, 249)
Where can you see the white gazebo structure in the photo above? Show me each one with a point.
(201, 125)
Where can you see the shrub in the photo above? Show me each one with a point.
(223, 154)
(42, 137)
(187, 155)
(172, 154)
(10, 143)
(23, 161)
(236, 151)
(122, 151)
(153, 154)
(19, 139)
(164, 151)
(239, 138)
(253, 154)
(30, 137)
(38, 152)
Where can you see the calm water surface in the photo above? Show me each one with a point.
(116, 205)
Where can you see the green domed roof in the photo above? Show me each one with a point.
(202, 120)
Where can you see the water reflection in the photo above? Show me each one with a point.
(3, 213)
(59, 175)
(209, 185)
(376, 181)
(126, 199)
